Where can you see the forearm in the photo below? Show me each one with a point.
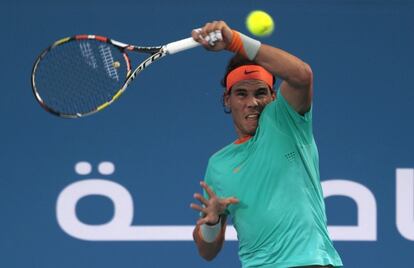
(209, 250)
(284, 65)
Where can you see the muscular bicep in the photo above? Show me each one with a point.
(299, 98)
(299, 92)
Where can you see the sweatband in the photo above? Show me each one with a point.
(248, 72)
(244, 45)
(209, 233)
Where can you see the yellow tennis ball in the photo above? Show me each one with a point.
(260, 23)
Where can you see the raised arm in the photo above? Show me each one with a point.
(296, 75)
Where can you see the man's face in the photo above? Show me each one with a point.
(246, 101)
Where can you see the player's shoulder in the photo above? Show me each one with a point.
(222, 154)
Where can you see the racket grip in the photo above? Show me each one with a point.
(181, 45)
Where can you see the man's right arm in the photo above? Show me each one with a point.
(210, 250)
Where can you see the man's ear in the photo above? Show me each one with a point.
(273, 94)
(226, 102)
(226, 98)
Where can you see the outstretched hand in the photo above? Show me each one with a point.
(212, 207)
(214, 36)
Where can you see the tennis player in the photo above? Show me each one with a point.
(267, 180)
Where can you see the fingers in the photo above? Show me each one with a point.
(212, 195)
(212, 207)
(208, 38)
(208, 189)
(201, 198)
(231, 201)
(197, 36)
(208, 219)
(214, 35)
(197, 207)
(213, 26)
(202, 221)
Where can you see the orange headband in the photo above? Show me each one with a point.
(247, 72)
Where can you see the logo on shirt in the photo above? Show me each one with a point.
(237, 169)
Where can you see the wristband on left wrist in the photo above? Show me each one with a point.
(209, 233)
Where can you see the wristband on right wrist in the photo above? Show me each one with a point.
(244, 45)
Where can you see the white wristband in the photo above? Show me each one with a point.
(244, 45)
(251, 46)
(209, 233)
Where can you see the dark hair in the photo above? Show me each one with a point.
(236, 61)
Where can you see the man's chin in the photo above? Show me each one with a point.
(251, 132)
(248, 129)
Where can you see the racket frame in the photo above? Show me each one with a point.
(156, 53)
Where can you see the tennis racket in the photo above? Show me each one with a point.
(84, 74)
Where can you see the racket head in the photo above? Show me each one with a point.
(80, 75)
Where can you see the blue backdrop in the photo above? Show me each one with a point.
(154, 142)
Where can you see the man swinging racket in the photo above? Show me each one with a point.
(268, 179)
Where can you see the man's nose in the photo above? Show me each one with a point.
(252, 101)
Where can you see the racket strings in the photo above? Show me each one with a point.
(76, 78)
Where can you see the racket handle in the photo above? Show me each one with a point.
(181, 45)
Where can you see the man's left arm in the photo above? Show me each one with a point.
(297, 76)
